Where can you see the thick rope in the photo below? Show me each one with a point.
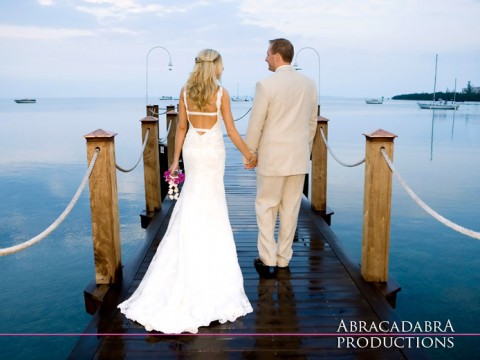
(240, 118)
(59, 220)
(429, 210)
(155, 114)
(338, 160)
(166, 135)
(141, 155)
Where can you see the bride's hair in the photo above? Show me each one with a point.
(202, 83)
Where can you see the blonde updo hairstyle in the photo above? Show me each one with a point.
(202, 83)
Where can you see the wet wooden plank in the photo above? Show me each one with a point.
(295, 314)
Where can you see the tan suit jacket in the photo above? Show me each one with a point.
(283, 123)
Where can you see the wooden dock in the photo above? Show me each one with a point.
(296, 315)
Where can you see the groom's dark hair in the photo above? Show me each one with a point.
(284, 48)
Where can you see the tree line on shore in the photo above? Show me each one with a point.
(469, 93)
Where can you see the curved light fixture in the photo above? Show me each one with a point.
(295, 64)
(170, 67)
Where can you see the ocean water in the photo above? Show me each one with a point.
(438, 155)
(43, 160)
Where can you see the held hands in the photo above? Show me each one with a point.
(250, 163)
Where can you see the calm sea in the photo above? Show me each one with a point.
(43, 160)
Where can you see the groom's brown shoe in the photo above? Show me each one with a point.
(263, 270)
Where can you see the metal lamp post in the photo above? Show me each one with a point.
(170, 66)
(295, 64)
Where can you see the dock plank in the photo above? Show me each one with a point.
(296, 315)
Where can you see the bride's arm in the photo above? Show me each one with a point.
(250, 158)
(181, 132)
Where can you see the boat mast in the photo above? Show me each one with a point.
(435, 81)
(455, 90)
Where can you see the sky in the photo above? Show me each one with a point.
(368, 48)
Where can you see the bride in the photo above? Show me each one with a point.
(194, 277)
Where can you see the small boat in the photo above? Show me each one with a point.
(25, 101)
(374, 101)
(166, 98)
(238, 98)
(439, 104)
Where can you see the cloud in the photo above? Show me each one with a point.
(41, 33)
(121, 9)
(46, 2)
(120, 31)
(370, 23)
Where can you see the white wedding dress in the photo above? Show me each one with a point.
(194, 277)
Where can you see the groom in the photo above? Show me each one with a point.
(280, 131)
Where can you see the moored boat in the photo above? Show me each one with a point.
(439, 104)
(238, 98)
(25, 101)
(374, 101)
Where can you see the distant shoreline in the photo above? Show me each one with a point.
(459, 97)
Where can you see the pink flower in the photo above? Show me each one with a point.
(173, 182)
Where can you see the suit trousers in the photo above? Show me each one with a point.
(277, 196)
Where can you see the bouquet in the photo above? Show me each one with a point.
(173, 179)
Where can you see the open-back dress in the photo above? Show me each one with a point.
(194, 277)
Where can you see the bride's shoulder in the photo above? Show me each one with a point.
(182, 91)
(224, 92)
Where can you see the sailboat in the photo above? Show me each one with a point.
(439, 104)
(239, 98)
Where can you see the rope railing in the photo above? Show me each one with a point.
(157, 114)
(333, 155)
(162, 140)
(16, 248)
(241, 117)
(140, 157)
(424, 206)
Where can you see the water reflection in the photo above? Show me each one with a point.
(276, 314)
(438, 114)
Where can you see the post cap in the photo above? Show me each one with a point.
(149, 119)
(100, 133)
(380, 133)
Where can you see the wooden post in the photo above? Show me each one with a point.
(319, 171)
(172, 121)
(152, 110)
(104, 208)
(151, 165)
(319, 167)
(376, 208)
